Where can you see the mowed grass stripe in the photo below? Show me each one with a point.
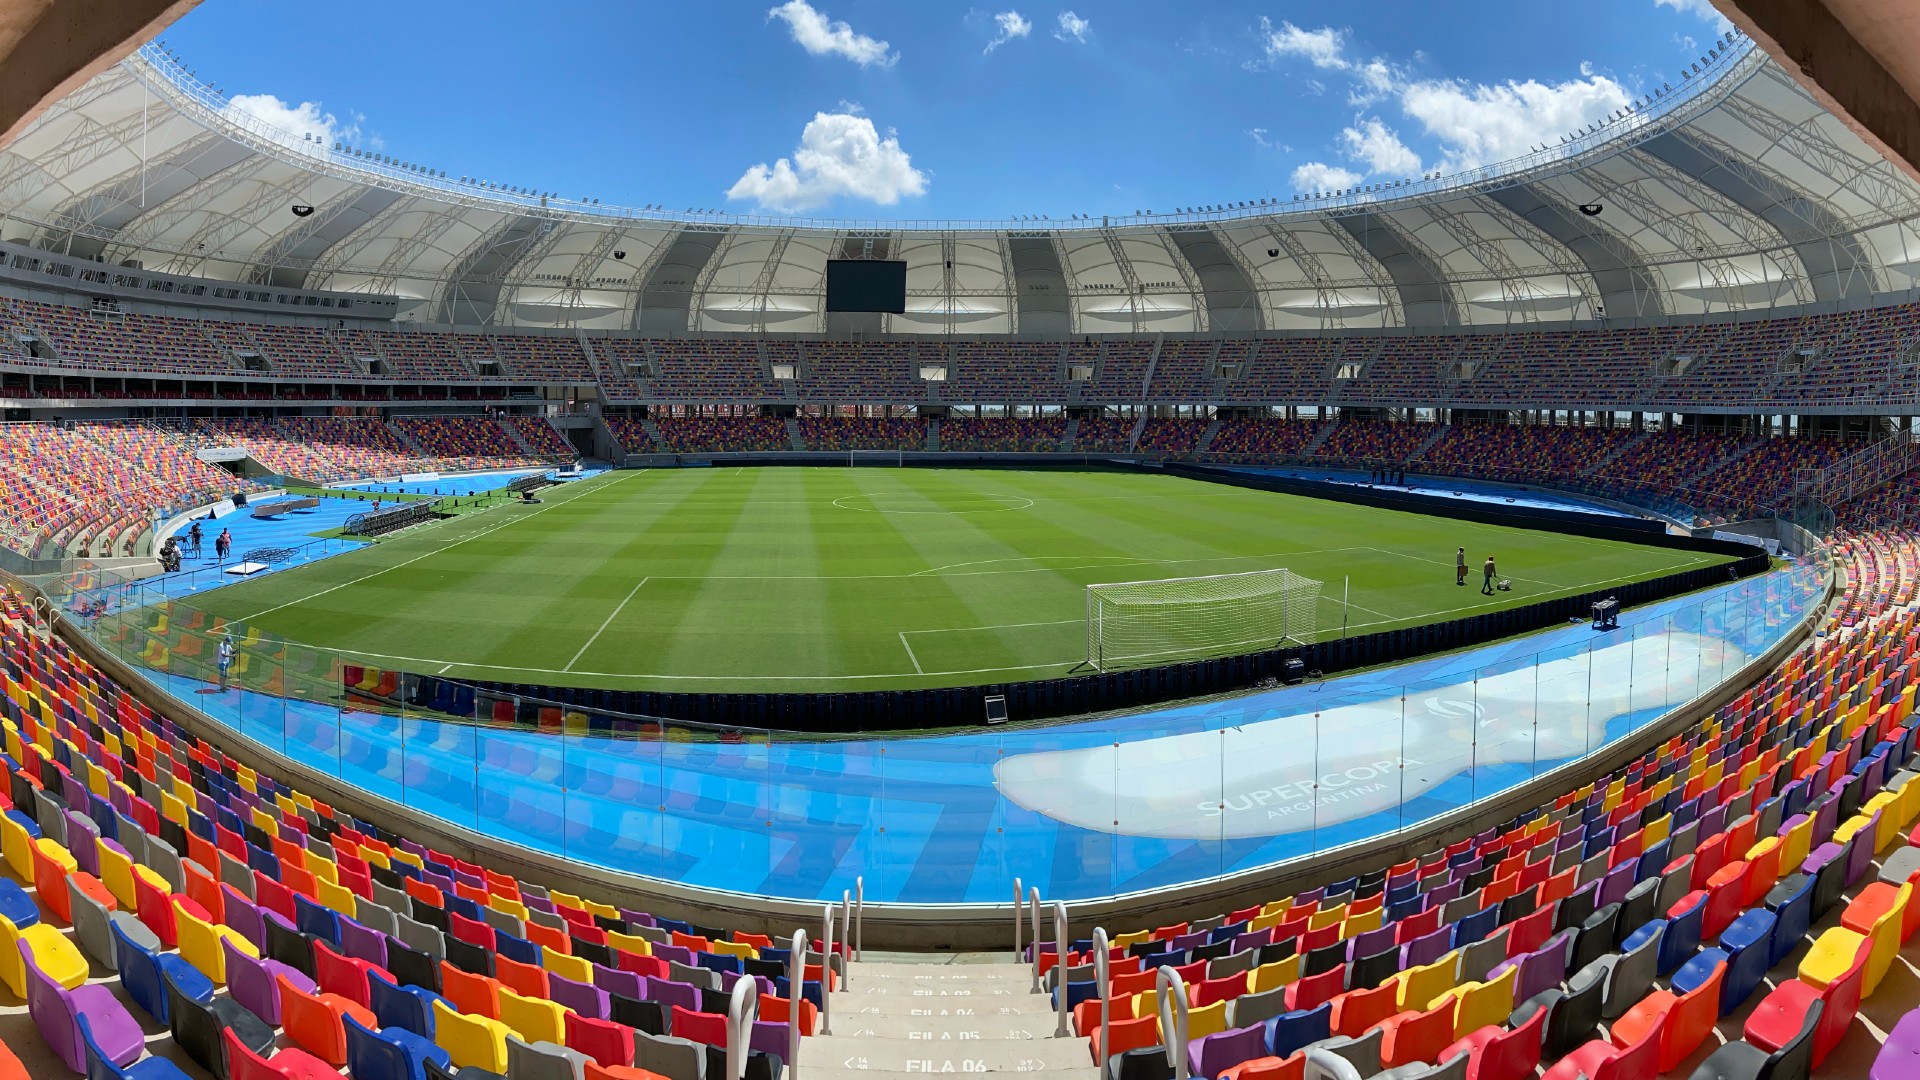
(757, 580)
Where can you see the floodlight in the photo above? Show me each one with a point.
(1591, 209)
(300, 210)
(620, 255)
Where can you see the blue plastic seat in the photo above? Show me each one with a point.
(1474, 927)
(516, 948)
(1289, 1032)
(1682, 938)
(144, 968)
(395, 1054)
(1793, 916)
(101, 1067)
(1748, 943)
(17, 906)
(320, 922)
(407, 1008)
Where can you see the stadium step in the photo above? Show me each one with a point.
(902, 1020)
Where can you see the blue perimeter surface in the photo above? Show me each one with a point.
(1107, 806)
(1450, 488)
(450, 484)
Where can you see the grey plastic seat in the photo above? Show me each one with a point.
(547, 919)
(675, 1059)
(505, 921)
(91, 925)
(1562, 862)
(1592, 869)
(1576, 1010)
(418, 935)
(51, 817)
(375, 916)
(1900, 864)
(1453, 1069)
(1238, 963)
(1642, 903)
(1207, 925)
(1362, 1052)
(237, 874)
(1630, 976)
(1483, 956)
(391, 898)
(543, 1061)
(1249, 1009)
(163, 860)
(703, 978)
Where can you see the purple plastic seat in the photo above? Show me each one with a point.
(587, 1000)
(769, 1037)
(1212, 1055)
(1444, 894)
(1899, 1057)
(251, 982)
(1860, 857)
(243, 917)
(1369, 942)
(1821, 856)
(1713, 820)
(1186, 942)
(673, 993)
(1310, 896)
(56, 1012)
(1426, 948)
(1614, 886)
(674, 954)
(617, 981)
(361, 943)
(1253, 939)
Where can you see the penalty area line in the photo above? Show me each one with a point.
(622, 606)
(916, 660)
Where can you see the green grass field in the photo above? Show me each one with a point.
(820, 579)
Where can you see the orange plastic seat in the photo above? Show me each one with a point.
(1411, 1037)
(1688, 1020)
(1269, 1068)
(312, 1021)
(1356, 1011)
(478, 995)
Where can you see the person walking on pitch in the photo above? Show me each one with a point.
(1487, 587)
(1460, 567)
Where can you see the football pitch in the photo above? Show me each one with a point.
(843, 579)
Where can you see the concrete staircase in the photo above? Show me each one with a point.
(1432, 440)
(909, 1020)
(652, 429)
(1599, 467)
(519, 440)
(933, 435)
(1133, 439)
(1319, 438)
(1073, 432)
(794, 441)
(1205, 440)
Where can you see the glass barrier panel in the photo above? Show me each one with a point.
(1505, 697)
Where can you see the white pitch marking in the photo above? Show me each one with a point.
(423, 555)
(622, 606)
(910, 656)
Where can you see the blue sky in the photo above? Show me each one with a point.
(914, 109)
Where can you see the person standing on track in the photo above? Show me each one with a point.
(226, 652)
(1460, 567)
(1487, 587)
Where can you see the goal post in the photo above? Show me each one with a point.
(1143, 623)
(876, 458)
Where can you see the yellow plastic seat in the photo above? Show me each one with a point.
(1362, 922)
(533, 1019)
(16, 844)
(1479, 1004)
(1421, 986)
(1885, 935)
(1887, 802)
(1799, 841)
(1830, 957)
(1207, 1020)
(200, 944)
(1135, 938)
(577, 968)
(638, 946)
(1273, 976)
(116, 873)
(52, 951)
(470, 1041)
(733, 948)
(337, 897)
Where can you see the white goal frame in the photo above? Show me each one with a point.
(856, 458)
(1179, 619)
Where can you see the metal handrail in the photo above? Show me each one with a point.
(1060, 1028)
(826, 970)
(1033, 906)
(1103, 976)
(1172, 994)
(796, 1000)
(846, 933)
(1019, 913)
(859, 917)
(743, 1011)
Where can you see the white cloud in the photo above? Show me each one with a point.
(1320, 176)
(822, 37)
(1477, 124)
(1379, 148)
(1073, 28)
(840, 155)
(1325, 47)
(294, 123)
(1701, 9)
(1008, 25)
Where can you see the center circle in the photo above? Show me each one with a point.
(904, 502)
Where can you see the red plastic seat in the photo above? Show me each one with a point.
(1316, 990)
(343, 975)
(1269, 1068)
(606, 1042)
(1777, 1019)
(1602, 1060)
(1125, 1035)
(1410, 1037)
(1357, 1011)
(1500, 1053)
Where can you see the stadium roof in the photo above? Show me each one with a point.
(1731, 192)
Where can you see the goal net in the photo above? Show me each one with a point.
(875, 458)
(1139, 623)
